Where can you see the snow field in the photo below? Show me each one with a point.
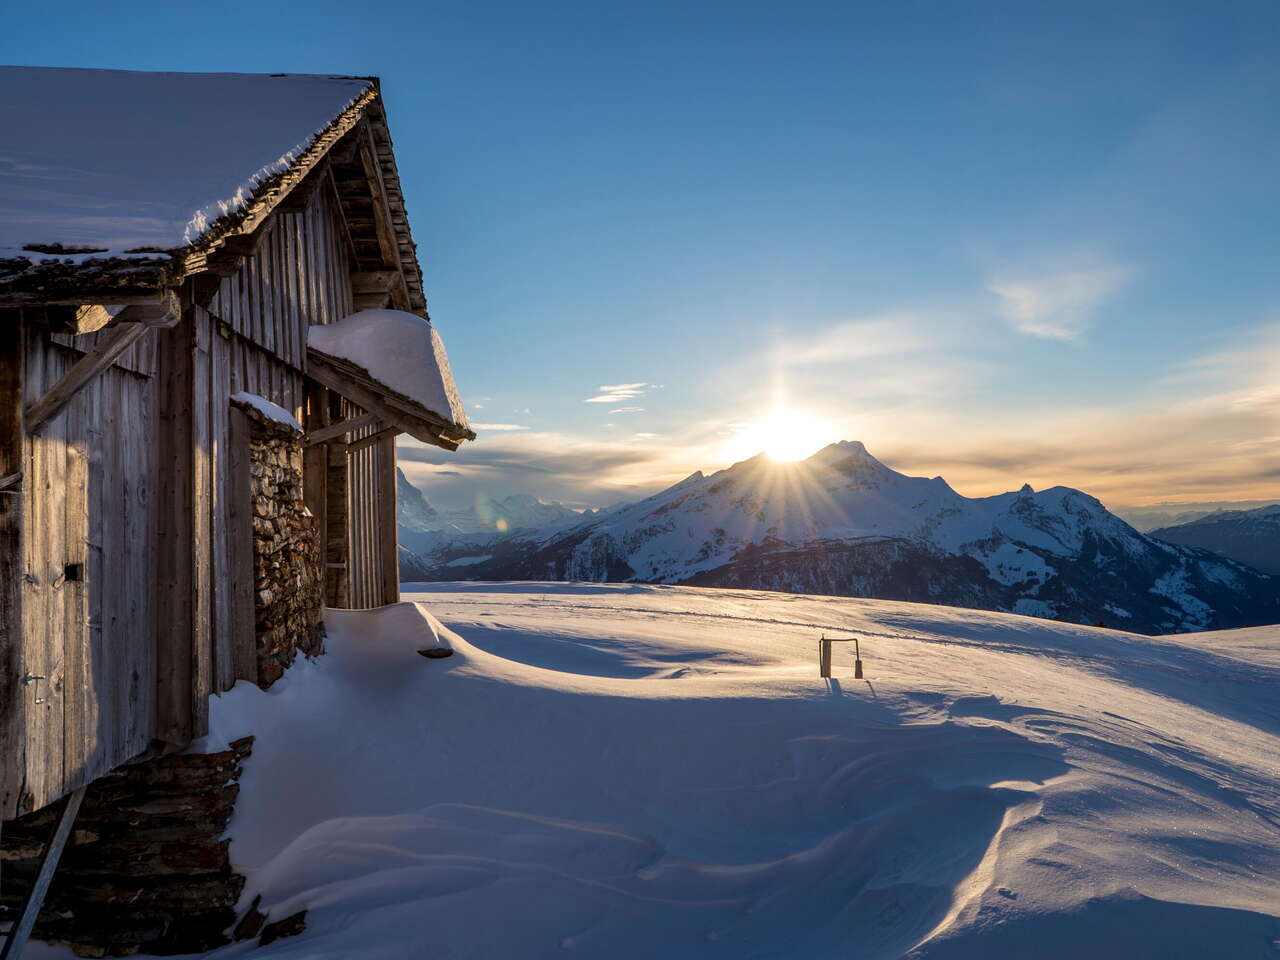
(638, 771)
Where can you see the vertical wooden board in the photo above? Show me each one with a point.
(81, 752)
(13, 740)
(202, 676)
(355, 527)
(109, 567)
(253, 300)
(293, 273)
(239, 523)
(42, 609)
(233, 303)
(321, 279)
(306, 280)
(337, 543)
(257, 295)
(271, 263)
(315, 460)
(137, 689)
(332, 309)
(219, 414)
(240, 295)
(284, 346)
(387, 520)
(174, 532)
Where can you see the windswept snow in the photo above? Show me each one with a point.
(399, 350)
(639, 771)
(117, 160)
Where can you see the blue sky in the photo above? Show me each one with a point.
(1001, 242)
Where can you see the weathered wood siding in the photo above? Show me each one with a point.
(371, 507)
(132, 515)
(256, 331)
(88, 573)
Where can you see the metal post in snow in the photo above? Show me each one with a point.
(824, 655)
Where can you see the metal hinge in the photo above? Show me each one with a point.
(29, 678)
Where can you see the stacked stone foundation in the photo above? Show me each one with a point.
(146, 867)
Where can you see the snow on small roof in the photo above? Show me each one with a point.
(114, 161)
(271, 411)
(399, 350)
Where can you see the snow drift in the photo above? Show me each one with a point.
(639, 771)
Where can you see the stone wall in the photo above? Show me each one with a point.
(146, 866)
(288, 566)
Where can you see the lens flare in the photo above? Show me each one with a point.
(784, 435)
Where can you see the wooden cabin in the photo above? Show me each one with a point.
(184, 481)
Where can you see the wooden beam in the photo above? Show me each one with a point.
(106, 353)
(16, 941)
(341, 215)
(324, 373)
(356, 445)
(385, 226)
(94, 316)
(375, 289)
(163, 313)
(325, 434)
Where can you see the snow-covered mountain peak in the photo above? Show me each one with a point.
(843, 522)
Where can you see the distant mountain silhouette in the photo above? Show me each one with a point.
(1248, 536)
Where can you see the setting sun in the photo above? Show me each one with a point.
(785, 435)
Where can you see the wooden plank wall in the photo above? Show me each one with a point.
(371, 507)
(89, 567)
(123, 596)
(256, 330)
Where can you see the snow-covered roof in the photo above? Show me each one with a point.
(267, 410)
(401, 357)
(115, 171)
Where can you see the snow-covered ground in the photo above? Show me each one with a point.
(642, 771)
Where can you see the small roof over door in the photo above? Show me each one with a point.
(393, 365)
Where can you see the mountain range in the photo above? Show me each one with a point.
(1249, 536)
(842, 523)
(420, 523)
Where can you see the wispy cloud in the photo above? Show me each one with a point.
(855, 340)
(499, 426)
(620, 392)
(1056, 306)
(627, 410)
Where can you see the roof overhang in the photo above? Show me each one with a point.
(393, 408)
